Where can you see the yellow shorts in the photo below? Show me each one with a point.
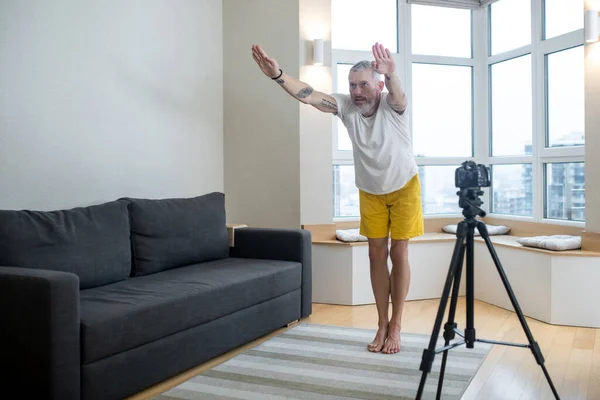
(399, 212)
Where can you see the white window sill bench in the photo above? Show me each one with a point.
(557, 287)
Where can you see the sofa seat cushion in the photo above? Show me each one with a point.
(143, 309)
(91, 242)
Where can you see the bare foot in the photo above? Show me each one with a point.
(392, 342)
(377, 344)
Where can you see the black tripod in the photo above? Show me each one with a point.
(470, 202)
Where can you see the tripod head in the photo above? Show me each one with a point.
(469, 201)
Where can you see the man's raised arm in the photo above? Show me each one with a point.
(296, 88)
(385, 64)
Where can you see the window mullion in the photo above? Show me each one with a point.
(539, 110)
(566, 41)
(480, 105)
(496, 58)
(405, 49)
(442, 60)
(424, 161)
(565, 153)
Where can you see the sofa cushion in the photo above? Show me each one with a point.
(140, 310)
(91, 242)
(170, 233)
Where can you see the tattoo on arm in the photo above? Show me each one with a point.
(280, 81)
(398, 108)
(328, 104)
(388, 81)
(305, 92)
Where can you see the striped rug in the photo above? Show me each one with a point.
(313, 361)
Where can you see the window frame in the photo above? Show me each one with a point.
(481, 62)
(541, 155)
(404, 61)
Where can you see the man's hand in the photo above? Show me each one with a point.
(267, 64)
(384, 63)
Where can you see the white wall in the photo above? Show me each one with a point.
(592, 131)
(261, 126)
(111, 98)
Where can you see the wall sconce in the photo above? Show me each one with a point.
(318, 52)
(592, 20)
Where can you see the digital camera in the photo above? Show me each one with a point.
(472, 175)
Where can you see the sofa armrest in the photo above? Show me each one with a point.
(279, 244)
(39, 332)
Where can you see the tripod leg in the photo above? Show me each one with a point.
(470, 329)
(429, 353)
(450, 325)
(534, 346)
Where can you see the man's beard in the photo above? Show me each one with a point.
(366, 107)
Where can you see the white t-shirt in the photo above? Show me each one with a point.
(382, 146)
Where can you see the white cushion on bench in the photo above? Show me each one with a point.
(492, 229)
(554, 242)
(350, 235)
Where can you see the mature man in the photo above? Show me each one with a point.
(386, 174)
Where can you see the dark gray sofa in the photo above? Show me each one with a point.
(101, 302)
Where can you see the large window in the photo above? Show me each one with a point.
(501, 85)
(536, 94)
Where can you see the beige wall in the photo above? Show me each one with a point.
(261, 122)
(277, 150)
(105, 99)
(592, 131)
(316, 179)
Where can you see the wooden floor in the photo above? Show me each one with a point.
(572, 354)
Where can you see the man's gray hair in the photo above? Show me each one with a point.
(365, 65)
